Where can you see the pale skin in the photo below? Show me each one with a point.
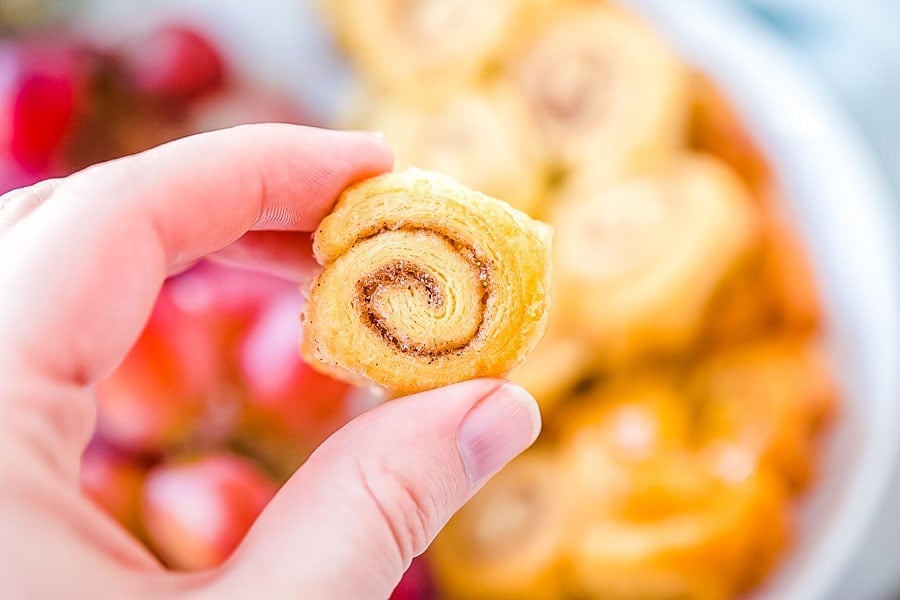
(81, 262)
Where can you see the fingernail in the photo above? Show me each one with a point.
(496, 430)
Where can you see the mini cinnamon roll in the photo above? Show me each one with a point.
(483, 138)
(630, 420)
(425, 283)
(762, 405)
(506, 543)
(773, 289)
(607, 93)
(418, 45)
(631, 417)
(709, 547)
(637, 262)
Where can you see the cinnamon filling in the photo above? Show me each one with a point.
(405, 273)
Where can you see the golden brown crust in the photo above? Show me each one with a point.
(607, 93)
(507, 542)
(481, 137)
(637, 262)
(425, 283)
(762, 404)
(426, 47)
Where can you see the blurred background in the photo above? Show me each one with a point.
(83, 81)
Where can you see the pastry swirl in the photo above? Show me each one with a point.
(761, 405)
(607, 93)
(708, 545)
(425, 283)
(425, 47)
(507, 542)
(483, 138)
(637, 262)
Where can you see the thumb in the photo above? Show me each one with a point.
(373, 496)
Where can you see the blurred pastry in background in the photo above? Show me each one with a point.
(481, 137)
(603, 88)
(425, 47)
(716, 128)
(637, 262)
(507, 542)
(789, 277)
(763, 404)
(708, 544)
(630, 417)
(554, 368)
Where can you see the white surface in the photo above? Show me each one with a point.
(834, 191)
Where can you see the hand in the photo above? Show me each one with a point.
(81, 262)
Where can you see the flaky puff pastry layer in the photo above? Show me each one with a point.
(482, 137)
(506, 543)
(426, 47)
(637, 262)
(425, 283)
(608, 94)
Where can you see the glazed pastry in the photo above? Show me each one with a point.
(630, 417)
(742, 308)
(774, 289)
(425, 283)
(763, 404)
(656, 521)
(637, 262)
(609, 429)
(482, 138)
(789, 278)
(716, 128)
(417, 45)
(608, 95)
(506, 542)
(708, 545)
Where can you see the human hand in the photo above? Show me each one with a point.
(81, 262)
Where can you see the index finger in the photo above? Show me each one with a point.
(80, 274)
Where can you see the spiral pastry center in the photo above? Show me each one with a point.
(429, 308)
(578, 89)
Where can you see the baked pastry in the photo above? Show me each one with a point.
(606, 92)
(716, 128)
(425, 283)
(554, 368)
(506, 543)
(761, 405)
(637, 262)
(483, 138)
(424, 46)
(704, 540)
